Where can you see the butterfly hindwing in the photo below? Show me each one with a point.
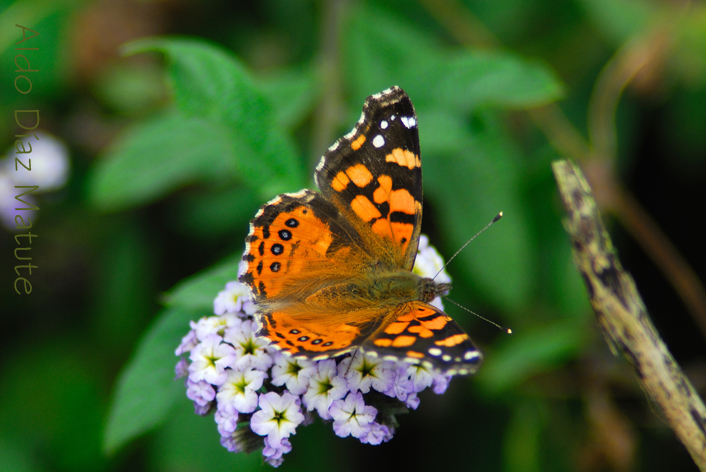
(419, 332)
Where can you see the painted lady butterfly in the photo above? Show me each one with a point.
(331, 272)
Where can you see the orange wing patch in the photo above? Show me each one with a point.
(364, 208)
(355, 145)
(282, 245)
(420, 331)
(292, 335)
(404, 158)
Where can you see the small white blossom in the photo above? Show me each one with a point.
(50, 162)
(293, 372)
(278, 416)
(324, 388)
(239, 390)
(364, 371)
(251, 350)
(210, 359)
(231, 299)
(352, 416)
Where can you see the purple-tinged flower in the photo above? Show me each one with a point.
(10, 217)
(293, 372)
(241, 440)
(421, 376)
(216, 325)
(364, 371)
(226, 419)
(233, 299)
(251, 350)
(378, 434)
(351, 416)
(201, 392)
(239, 390)
(188, 342)
(273, 452)
(278, 417)
(441, 382)
(181, 369)
(210, 359)
(324, 387)
(412, 401)
(402, 385)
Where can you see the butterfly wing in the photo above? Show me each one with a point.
(419, 332)
(373, 175)
(296, 242)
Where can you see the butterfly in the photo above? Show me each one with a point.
(331, 271)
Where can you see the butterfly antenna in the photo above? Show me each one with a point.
(497, 217)
(502, 328)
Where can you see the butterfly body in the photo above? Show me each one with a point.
(331, 272)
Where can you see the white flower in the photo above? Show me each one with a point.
(293, 372)
(352, 416)
(50, 162)
(239, 390)
(428, 263)
(251, 350)
(278, 417)
(364, 371)
(210, 359)
(231, 299)
(215, 325)
(421, 376)
(324, 387)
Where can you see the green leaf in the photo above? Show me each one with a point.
(293, 93)
(527, 353)
(620, 20)
(467, 188)
(469, 80)
(208, 81)
(197, 292)
(214, 213)
(146, 390)
(157, 157)
(382, 50)
(189, 442)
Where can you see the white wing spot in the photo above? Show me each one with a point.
(446, 357)
(434, 351)
(383, 124)
(409, 121)
(378, 141)
(470, 355)
(392, 117)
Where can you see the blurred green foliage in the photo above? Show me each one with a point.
(177, 140)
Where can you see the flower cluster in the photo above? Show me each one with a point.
(260, 394)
